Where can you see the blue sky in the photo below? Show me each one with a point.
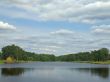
(55, 26)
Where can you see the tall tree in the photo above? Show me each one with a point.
(13, 51)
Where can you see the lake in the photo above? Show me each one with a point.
(54, 72)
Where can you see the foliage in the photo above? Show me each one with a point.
(19, 54)
(0, 55)
(96, 55)
(1, 61)
(13, 51)
(10, 60)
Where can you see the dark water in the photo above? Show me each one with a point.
(54, 72)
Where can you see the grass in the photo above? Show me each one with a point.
(1, 61)
(101, 62)
(91, 62)
(95, 62)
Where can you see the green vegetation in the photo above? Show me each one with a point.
(100, 62)
(1, 61)
(94, 62)
(19, 54)
(12, 52)
(96, 55)
(10, 60)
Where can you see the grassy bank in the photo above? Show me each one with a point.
(91, 62)
(101, 62)
(1, 61)
(95, 62)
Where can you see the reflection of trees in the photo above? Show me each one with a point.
(102, 72)
(12, 71)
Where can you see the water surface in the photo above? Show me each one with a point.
(54, 72)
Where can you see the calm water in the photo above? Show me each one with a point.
(54, 72)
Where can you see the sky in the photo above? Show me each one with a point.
(55, 26)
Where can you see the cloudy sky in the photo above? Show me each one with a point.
(55, 26)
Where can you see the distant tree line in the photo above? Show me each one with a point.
(96, 55)
(19, 54)
(0, 55)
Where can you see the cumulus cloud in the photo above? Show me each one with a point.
(61, 41)
(68, 42)
(52, 44)
(62, 32)
(101, 29)
(58, 10)
(6, 26)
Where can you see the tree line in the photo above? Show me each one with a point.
(19, 54)
(96, 55)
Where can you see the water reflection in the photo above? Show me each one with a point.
(12, 71)
(54, 72)
(101, 72)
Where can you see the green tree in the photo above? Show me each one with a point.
(0, 55)
(13, 51)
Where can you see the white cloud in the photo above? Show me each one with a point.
(58, 10)
(6, 26)
(58, 45)
(62, 32)
(101, 29)
(61, 41)
(50, 43)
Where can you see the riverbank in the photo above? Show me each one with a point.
(91, 62)
(94, 62)
(1, 61)
(101, 62)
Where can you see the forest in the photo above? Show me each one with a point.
(21, 55)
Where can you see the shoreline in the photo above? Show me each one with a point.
(90, 62)
(94, 62)
(1, 61)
